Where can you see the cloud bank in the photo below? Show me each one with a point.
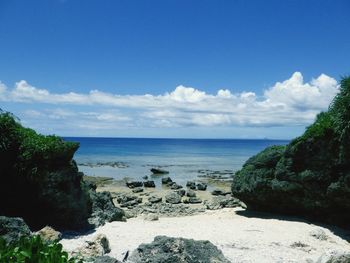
(291, 102)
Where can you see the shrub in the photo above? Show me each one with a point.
(33, 250)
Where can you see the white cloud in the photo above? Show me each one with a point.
(290, 102)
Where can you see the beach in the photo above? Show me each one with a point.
(241, 238)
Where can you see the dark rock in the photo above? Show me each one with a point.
(177, 250)
(145, 177)
(191, 185)
(103, 209)
(149, 184)
(175, 186)
(48, 187)
(13, 228)
(222, 202)
(133, 184)
(201, 186)
(191, 193)
(169, 184)
(181, 192)
(154, 199)
(173, 198)
(166, 180)
(194, 200)
(217, 192)
(159, 171)
(137, 190)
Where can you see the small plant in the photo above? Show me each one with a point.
(33, 250)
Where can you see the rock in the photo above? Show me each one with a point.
(191, 185)
(222, 202)
(177, 250)
(40, 170)
(99, 246)
(194, 200)
(13, 228)
(310, 176)
(104, 210)
(335, 257)
(149, 184)
(159, 171)
(137, 190)
(133, 184)
(217, 192)
(175, 186)
(319, 234)
(166, 180)
(151, 217)
(173, 198)
(49, 234)
(145, 177)
(201, 186)
(154, 199)
(169, 184)
(181, 192)
(191, 193)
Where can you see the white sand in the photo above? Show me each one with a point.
(241, 239)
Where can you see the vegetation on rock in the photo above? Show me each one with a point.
(311, 175)
(41, 182)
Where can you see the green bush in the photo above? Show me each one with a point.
(33, 250)
(40, 170)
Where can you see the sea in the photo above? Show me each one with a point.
(185, 159)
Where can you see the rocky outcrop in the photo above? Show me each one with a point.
(104, 210)
(12, 229)
(41, 171)
(177, 250)
(308, 177)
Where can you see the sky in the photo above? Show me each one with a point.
(172, 68)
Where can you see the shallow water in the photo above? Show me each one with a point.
(183, 158)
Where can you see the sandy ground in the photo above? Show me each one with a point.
(241, 238)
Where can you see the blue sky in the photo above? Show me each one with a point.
(163, 48)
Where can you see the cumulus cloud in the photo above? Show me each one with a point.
(290, 102)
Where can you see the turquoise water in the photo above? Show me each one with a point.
(183, 158)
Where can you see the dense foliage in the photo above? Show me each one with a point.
(41, 181)
(33, 250)
(311, 175)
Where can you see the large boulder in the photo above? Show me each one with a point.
(308, 177)
(177, 250)
(12, 229)
(173, 198)
(103, 209)
(49, 234)
(40, 170)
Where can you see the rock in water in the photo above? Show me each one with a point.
(133, 184)
(13, 228)
(177, 250)
(173, 198)
(159, 171)
(166, 180)
(308, 177)
(149, 184)
(201, 186)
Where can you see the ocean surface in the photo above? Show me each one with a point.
(185, 159)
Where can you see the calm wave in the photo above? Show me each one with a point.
(183, 158)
